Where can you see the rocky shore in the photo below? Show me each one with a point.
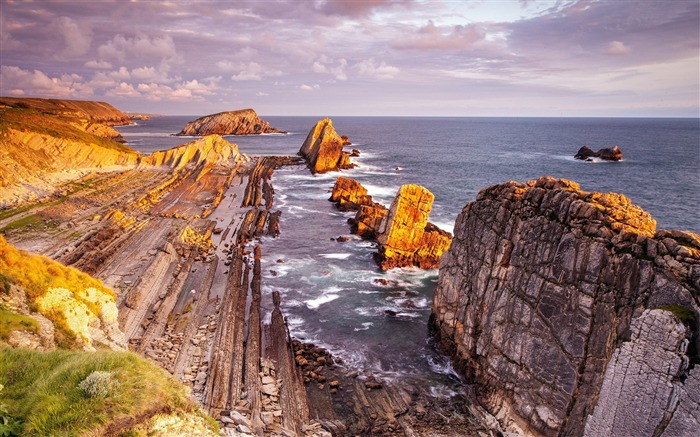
(240, 122)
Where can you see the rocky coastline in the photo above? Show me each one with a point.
(240, 122)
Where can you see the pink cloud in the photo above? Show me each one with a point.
(432, 37)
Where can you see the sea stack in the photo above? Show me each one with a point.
(323, 149)
(572, 312)
(405, 236)
(240, 122)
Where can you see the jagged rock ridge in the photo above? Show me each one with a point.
(541, 299)
(240, 122)
(323, 149)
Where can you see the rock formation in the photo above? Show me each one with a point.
(94, 112)
(585, 153)
(204, 152)
(323, 149)
(241, 122)
(349, 194)
(543, 299)
(405, 237)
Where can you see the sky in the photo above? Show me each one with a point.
(607, 58)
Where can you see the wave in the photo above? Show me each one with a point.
(336, 255)
(382, 191)
(365, 326)
(445, 226)
(315, 303)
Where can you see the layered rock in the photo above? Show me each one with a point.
(349, 194)
(323, 149)
(205, 152)
(541, 299)
(608, 154)
(405, 237)
(240, 122)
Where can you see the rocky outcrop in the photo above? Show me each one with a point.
(94, 112)
(585, 153)
(323, 149)
(241, 122)
(541, 300)
(405, 237)
(202, 153)
(349, 194)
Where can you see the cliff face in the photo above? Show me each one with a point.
(241, 122)
(94, 112)
(543, 299)
(323, 149)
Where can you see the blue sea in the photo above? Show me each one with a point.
(331, 293)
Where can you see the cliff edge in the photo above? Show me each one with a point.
(572, 312)
(240, 122)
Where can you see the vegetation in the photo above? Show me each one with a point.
(684, 314)
(10, 321)
(45, 391)
(29, 120)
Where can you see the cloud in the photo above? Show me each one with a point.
(121, 48)
(324, 65)
(431, 36)
(98, 65)
(77, 37)
(38, 83)
(617, 48)
(123, 90)
(254, 71)
(305, 87)
(355, 8)
(370, 68)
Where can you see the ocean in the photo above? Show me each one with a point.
(333, 294)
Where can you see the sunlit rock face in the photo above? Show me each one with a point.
(204, 152)
(241, 122)
(405, 236)
(542, 299)
(323, 149)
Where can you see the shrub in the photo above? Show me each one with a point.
(98, 384)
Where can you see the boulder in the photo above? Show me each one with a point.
(564, 306)
(405, 237)
(240, 122)
(323, 149)
(349, 194)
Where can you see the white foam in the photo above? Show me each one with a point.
(445, 226)
(365, 326)
(315, 303)
(336, 255)
(381, 191)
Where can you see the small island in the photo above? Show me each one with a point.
(240, 122)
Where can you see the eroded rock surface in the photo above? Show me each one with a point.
(241, 122)
(541, 285)
(405, 237)
(323, 149)
(608, 154)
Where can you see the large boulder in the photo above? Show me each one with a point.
(585, 153)
(542, 301)
(323, 149)
(349, 194)
(405, 237)
(240, 122)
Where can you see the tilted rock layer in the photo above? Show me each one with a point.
(241, 122)
(205, 152)
(540, 300)
(323, 149)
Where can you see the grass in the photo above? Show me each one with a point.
(10, 321)
(29, 120)
(41, 390)
(684, 314)
(29, 220)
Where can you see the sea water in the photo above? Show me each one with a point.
(333, 294)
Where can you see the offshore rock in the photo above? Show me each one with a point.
(542, 301)
(240, 122)
(405, 237)
(609, 154)
(323, 149)
(349, 194)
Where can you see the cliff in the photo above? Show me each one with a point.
(94, 112)
(572, 313)
(405, 237)
(241, 122)
(81, 309)
(323, 149)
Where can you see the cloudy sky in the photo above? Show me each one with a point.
(359, 57)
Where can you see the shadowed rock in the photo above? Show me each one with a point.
(539, 301)
(608, 154)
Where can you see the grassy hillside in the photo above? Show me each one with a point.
(58, 394)
(99, 112)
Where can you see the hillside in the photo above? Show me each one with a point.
(96, 112)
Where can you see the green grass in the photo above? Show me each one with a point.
(684, 314)
(30, 220)
(10, 321)
(41, 390)
(29, 120)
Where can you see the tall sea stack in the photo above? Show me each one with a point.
(572, 312)
(323, 149)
